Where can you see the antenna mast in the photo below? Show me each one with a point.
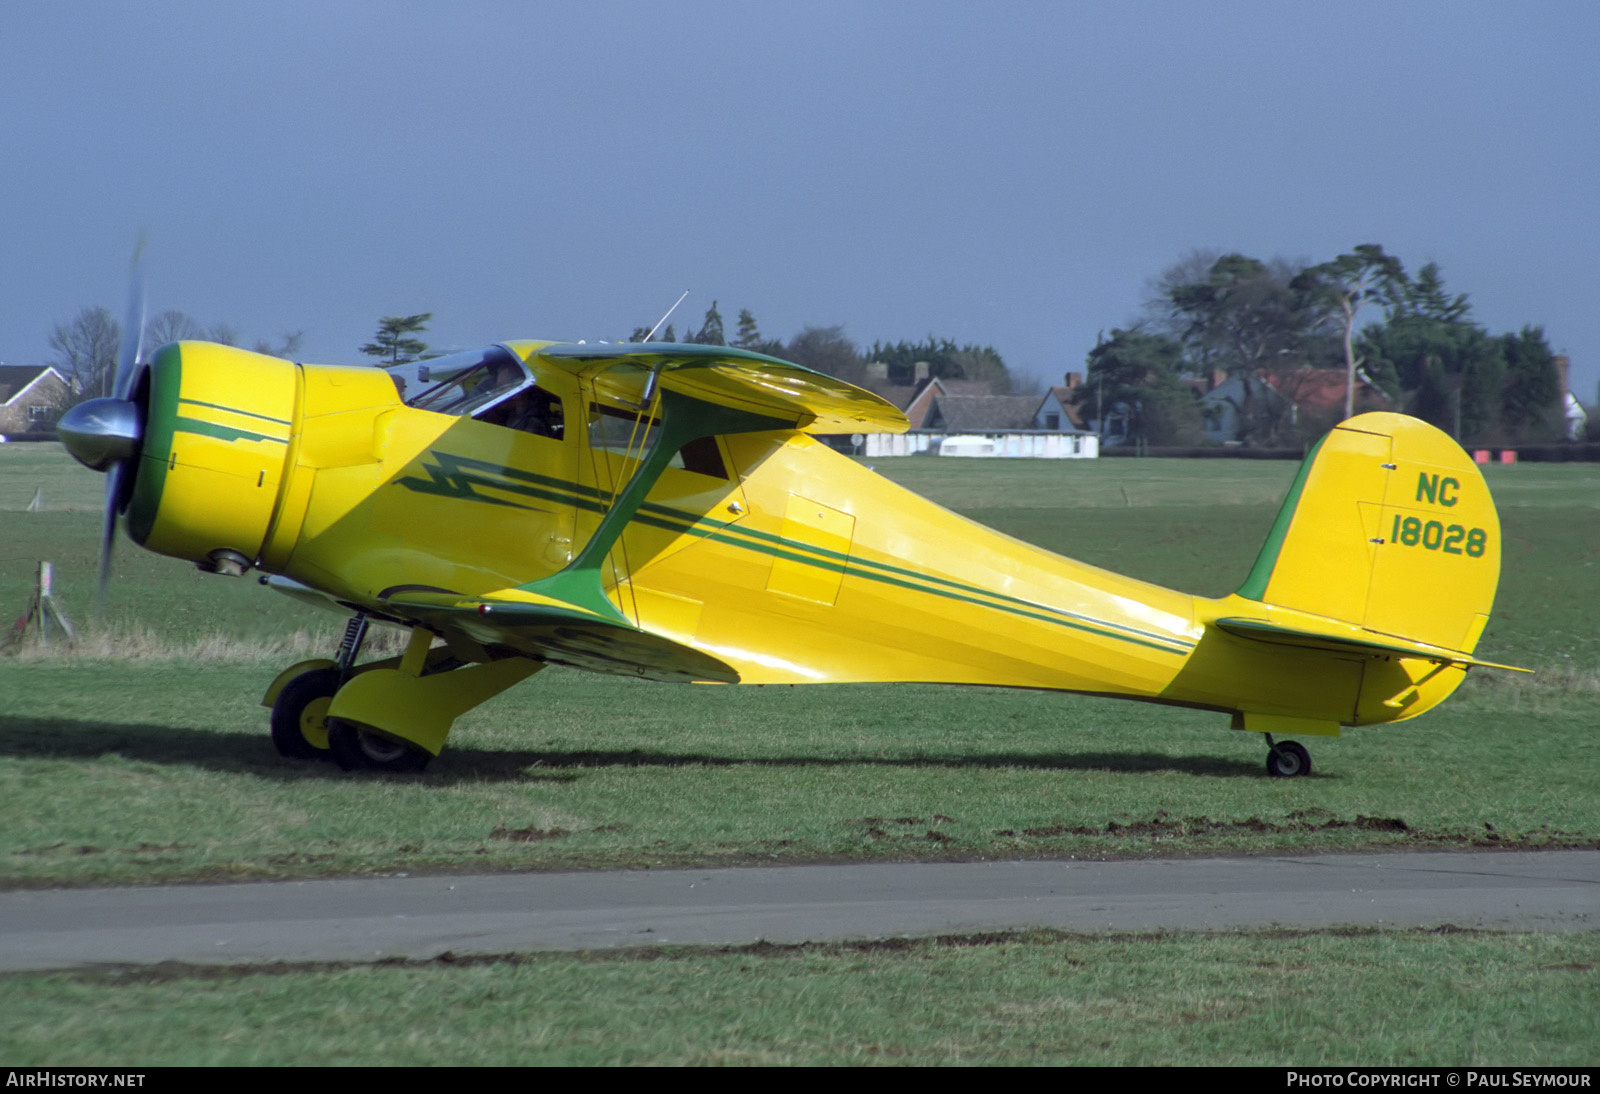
(664, 318)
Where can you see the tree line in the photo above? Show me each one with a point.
(827, 349)
(86, 345)
(1275, 328)
(85, 348)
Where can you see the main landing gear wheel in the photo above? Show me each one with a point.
(355, 748)
(1287, 759)
(300, 714)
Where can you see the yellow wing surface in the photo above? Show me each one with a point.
(727, 377)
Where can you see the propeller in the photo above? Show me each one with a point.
(104, 434)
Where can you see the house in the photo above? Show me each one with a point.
(1321, 391)
(1575, 420)
(1282, 400)
(31, 399)
(982, 413)
(959, 418)
(1056, 411)
(919, 409)
(1223, 408)
(965, 417)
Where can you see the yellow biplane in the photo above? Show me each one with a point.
(665, 511)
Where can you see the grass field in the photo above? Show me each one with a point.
(146, 759)
(1269, 998)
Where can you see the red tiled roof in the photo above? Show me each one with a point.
(1323, 388)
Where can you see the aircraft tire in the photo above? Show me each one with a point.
(304, 698)
(358, 749)
(1288, 759)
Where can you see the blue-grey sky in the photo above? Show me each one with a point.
(1010, 173)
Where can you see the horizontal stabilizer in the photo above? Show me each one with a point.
(1345, 638)
(735, 378)
(562, 633)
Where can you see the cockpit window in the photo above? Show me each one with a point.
(460, 383)
(531, 410)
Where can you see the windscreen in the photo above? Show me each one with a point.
(460, 383)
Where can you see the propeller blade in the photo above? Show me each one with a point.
(115, 474)
(104, 433)
(132, 348)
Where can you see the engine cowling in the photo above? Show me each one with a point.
(214, 454)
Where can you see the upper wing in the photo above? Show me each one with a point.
(733, 378)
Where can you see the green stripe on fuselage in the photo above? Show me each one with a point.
(899, 575)
(927, 585)
(235, 410)
(460, 477)
(202, 428)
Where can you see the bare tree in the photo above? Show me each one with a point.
(1192, 269)
(285, 347)
(827, 350)
(170, 326)
(86, 351)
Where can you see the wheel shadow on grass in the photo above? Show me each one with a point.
(221, 750)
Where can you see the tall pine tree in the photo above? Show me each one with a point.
(393, 344)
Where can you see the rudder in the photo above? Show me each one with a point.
(1389, 526)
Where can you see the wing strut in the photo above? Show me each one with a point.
(683, 419)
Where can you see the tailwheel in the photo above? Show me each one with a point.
(357, 748)
(300, 714)
(1287, 759)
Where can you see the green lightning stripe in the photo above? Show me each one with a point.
(461, 477)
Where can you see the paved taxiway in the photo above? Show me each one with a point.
(422, 917)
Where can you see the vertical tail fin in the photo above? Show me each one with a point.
(1389, 527)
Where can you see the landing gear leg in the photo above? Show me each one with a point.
(390, 715)
(1286, 759)
(355, 633)
(395, 716)
(355, 746)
